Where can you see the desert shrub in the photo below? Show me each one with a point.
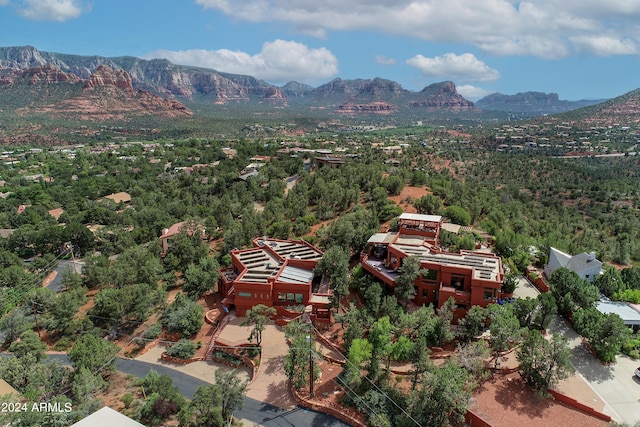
(183, 349)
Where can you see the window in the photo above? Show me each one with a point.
(282, 296)
(457, 281)
(431, 275)
(299, 298)
(489, 295)
(245, 294)
(290, 297)
(425, 293)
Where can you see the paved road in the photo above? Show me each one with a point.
(253, 413)
(56, 284)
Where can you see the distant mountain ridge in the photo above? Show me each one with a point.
(35, 82)
(196, 85)
(531, 102)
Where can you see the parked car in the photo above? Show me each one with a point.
(638, 372)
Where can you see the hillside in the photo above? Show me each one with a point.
(534, 103)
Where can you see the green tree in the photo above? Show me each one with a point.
(360, 352)
(409, 271)
(258, 316)
(29, 344)
(458, 215)
(296, 361)
(95, 354)
(334, 265)
(162, 398)
(201, 277)
(547, 310)
(610, 282)
(606, 333)
(505, 332)
(571, 292)
(443, 396)
(213, 405)
(15, 323)
(428, 204)
(543, 363)
(472, 324)
(380, 339)
(183, 316)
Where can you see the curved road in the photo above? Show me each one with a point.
(254, 411)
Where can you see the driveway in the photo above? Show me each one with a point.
(615, 384)
(612, 389)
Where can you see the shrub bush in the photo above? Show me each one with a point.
(153, 332)
(183, 349)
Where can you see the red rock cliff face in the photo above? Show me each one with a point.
(106, 76)
(49, 74)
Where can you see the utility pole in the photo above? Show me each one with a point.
(35, 314)
(310, 359)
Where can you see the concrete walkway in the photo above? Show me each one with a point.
(270, 384)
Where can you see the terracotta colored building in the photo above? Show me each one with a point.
(276, 273)
(471, 278)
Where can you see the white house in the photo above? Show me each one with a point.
(585, 265)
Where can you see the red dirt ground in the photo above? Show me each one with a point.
(409, 191)
(505, 401)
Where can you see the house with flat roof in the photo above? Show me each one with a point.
(628, 312)
(585, 265)
(276, 273)
(118, 197)
(471, 278)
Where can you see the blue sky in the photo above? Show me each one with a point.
(576, 48)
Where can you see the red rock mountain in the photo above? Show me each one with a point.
(107, 94)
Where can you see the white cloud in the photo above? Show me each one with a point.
(279, 61)
(604, 45)
(465, 67)
(542, 28)
(383, 60)
(472, 92)
(51, 10)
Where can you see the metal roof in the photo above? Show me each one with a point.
(291, 274)
(625, 311)
(421, 217)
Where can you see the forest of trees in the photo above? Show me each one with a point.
(527, 203)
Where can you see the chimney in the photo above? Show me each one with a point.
(592, 256)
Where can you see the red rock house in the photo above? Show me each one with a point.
(276, 273)
(471, 278)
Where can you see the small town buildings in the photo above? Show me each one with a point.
(585, 265)
(276, 273)
(471, 278)
(332, 162)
